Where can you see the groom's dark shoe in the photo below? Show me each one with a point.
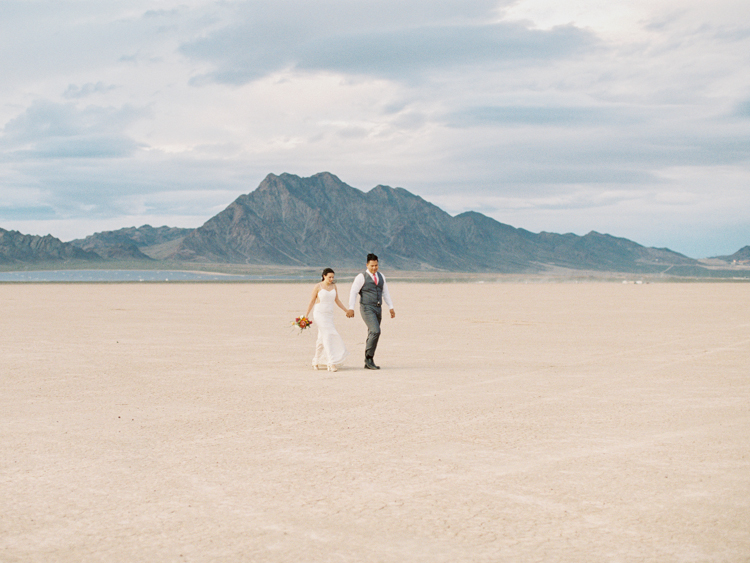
(370, 364)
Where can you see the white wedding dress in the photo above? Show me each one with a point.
(329, 349)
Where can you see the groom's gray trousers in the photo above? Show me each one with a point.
(372, 315)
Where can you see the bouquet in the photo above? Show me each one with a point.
(302, 323)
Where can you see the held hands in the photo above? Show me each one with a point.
(350, 313)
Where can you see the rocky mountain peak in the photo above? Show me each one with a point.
(320, 220)
(16, 247)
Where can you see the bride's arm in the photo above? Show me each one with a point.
(312, 301)
(338, 301)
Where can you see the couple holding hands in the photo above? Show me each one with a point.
(371, 287)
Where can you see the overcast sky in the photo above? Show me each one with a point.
(628, 117)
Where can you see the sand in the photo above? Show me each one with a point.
(509, 422)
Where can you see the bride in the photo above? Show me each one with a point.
(330, 350)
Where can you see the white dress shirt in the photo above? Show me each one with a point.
(357, 284)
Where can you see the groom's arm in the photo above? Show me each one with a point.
(387, 298)
(357, 284)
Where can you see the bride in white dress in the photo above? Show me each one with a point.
(330, 350)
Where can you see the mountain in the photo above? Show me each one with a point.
(131, 243)
(320, 220)
(598, 251)
(18, 248)
(290, 220)
(739, 257)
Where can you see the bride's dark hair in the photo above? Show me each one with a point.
(326, 272)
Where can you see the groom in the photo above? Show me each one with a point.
(372, 291)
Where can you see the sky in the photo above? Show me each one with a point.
(627, 117)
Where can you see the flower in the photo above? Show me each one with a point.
(302, 323)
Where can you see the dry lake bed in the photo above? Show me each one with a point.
(509, 422)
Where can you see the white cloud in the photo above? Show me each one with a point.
(402, 50)
(74, 92)
(48, 130)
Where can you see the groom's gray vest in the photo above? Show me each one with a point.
(371, 294)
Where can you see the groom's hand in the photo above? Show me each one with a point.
(393, 313)
(350, 313)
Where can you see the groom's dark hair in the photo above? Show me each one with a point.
(371, 257)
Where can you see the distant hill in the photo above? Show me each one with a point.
(741, 256)
(18, 248)
(141, 243)
(320, 220)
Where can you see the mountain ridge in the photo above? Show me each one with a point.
(742, 256)
(129, 243)
(18, 248)
(319, 220)
(289, 220)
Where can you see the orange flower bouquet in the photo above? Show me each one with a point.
(302, 323)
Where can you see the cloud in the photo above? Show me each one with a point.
(74, 92)
(52, 130)
(40, 212)
(543, 116)
(399, 54)
(382, 41)
(742, 110)
(93, 146)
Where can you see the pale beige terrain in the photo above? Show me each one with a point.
(509, 422)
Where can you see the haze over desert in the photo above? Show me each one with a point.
(509, 422)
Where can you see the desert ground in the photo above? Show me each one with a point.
(509, 422)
